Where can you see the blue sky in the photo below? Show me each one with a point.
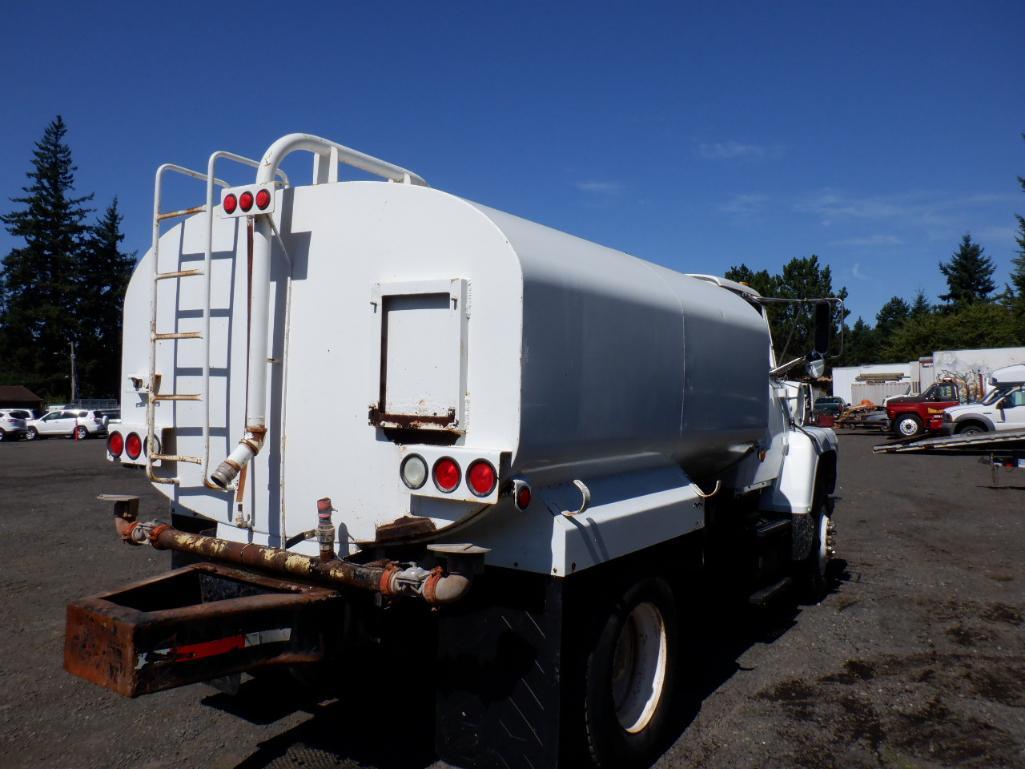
(695, 135)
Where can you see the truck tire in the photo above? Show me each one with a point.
(628, 677)
(970, 428)
(813, 571)
(907, 425)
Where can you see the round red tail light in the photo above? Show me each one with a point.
(245, 200)
(446, 474)
(230, 203)
(523, 497)
(133, 446)
(115, 444)
(262, 199)
(481, 478)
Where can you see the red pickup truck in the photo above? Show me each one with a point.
(911, 415)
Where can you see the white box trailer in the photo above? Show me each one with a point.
(363, 394)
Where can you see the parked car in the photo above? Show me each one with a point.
(74, 423)
(13, 424)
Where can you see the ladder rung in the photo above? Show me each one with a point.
(178, 335)
(177, 458)
(178, 397)
(179, 274)
(182, 212)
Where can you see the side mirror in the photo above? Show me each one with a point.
(816, 364)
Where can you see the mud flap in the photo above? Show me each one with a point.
(500, 674)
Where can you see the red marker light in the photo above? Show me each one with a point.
(115, 444)
(230, 203)
(446, 474)
(262, 199)
(523, 497)
(481, 478)
(245, 200)
(133, 446)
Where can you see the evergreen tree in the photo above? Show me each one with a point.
(1018, 262)
(892, 316)
(978, 325)
(793, 325)
(103, 279)
(920, 307)
(969, 275)
(804, 278)
(37, 285)
(860, 345)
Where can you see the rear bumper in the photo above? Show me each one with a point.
(194, 624)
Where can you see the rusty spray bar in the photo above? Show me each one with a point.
(390, 578)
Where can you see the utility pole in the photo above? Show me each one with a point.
(74, 381)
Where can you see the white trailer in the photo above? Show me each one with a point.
(544, 439)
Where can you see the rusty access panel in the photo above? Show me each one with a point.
(195, 624)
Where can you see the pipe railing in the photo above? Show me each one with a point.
(329, 154)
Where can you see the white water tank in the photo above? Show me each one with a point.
(451, 325)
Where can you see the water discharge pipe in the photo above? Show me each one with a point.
(329, 155)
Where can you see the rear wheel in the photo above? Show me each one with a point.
(907, 425)
(32, 434)
(629, 673)
(80, 433)
(3, 436)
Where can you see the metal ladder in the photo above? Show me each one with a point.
(153, 380)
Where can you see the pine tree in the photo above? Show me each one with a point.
(969, 275)
(793, 324)
(37, 285)
(861, 345)
(920, 307)
(1018, 262)
(892, 316)
(103, 279)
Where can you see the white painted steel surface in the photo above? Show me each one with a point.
(581, 362)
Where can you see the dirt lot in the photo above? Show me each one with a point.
(917, 658)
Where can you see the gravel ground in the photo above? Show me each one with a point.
(916, 659)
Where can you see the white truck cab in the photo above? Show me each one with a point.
(1002, 409)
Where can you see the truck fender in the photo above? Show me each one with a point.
(794, 489)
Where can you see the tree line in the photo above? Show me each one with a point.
(65, 285)
(971, 314)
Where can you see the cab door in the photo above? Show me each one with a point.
(1011, 413)
(57, 423)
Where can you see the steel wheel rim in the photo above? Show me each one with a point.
(908, 427)
(639, 667)
(823, 551)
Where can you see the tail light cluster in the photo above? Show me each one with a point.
(131, 445)
(247, 201)
(481, 476)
